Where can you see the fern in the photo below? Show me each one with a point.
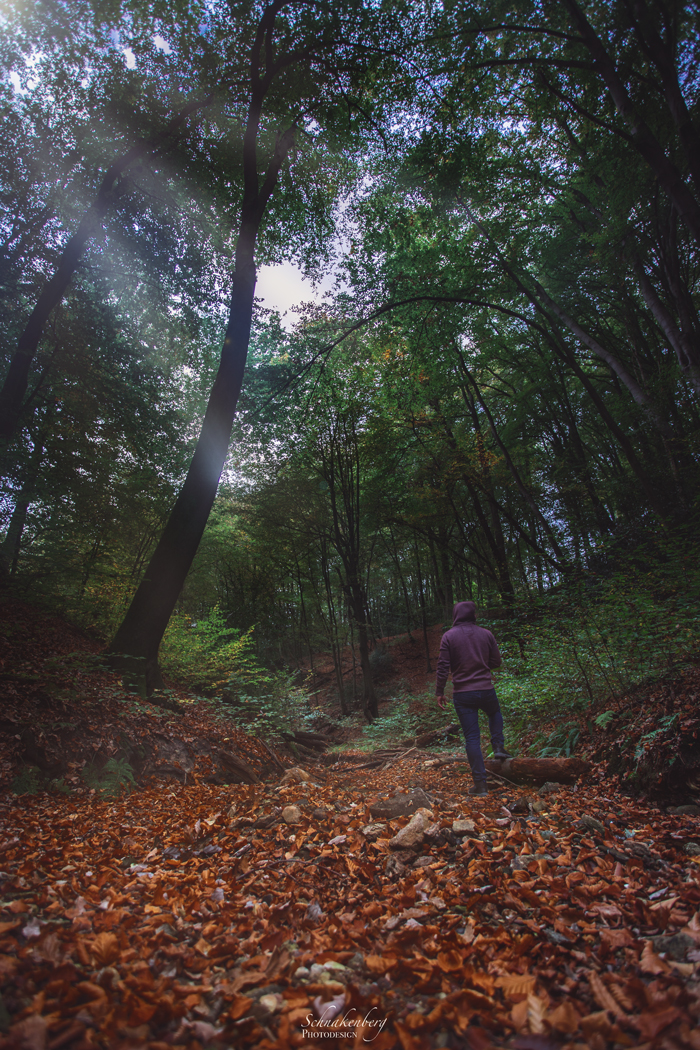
(666, 722)
(110, 781)
(561, 742)
(28, 781)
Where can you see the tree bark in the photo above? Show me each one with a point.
(134, 648)
(358, 604)
(661, 53)
(11, 545)
(421, 595)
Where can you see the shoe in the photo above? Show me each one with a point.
(479, 789)
(501, 754)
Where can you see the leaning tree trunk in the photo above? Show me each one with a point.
(134, 648)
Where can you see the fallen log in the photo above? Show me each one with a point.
(311, 741)
(311, 738)
(531, 770)
(539, 770)
(236, 770)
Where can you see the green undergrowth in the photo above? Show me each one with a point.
(598, 636)
(583, 647)
(109, 780)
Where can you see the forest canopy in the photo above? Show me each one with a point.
(498, 399)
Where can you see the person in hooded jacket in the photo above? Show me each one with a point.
(470, 653)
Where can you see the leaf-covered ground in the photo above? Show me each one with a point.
(196, 916)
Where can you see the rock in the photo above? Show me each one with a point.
(588, 823)
(521, 805)
(539, 805)
(266, 1005)
(319, 813)
(271, 1002)
(330, 983)
(412, 836)
(394, 868)
(314, 913)
(372, 832)
(330, 1009)
(463, 827)
(435, 835)
(291, 814)
(423, 862)
(397, 863)
(675, 946)
(295, 775)
(549, 788)
(400, 805)
(692, 849)
(687, 811)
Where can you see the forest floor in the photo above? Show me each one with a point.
(195, 914)
(208, 916)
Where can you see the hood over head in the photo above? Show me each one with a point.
(464, 612)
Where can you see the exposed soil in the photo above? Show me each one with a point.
(62, 712)
(401, 667)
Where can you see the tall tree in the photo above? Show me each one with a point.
(298, 62)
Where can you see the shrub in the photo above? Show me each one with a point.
(284, 708)
(28, 781)
(110, 780)
(210, 657)
(380, 660)
(600, 634)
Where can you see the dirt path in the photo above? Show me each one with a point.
(169, 919)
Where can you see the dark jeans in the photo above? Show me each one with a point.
(467, 706)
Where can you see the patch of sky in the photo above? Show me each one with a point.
(284, 288)
(31, 62)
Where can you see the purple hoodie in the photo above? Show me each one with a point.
(468, 651)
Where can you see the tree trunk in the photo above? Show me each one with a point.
(421, 594)
(138, 638)
(134, 648)
(11, 545)
(333, 630)
(369, 698)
